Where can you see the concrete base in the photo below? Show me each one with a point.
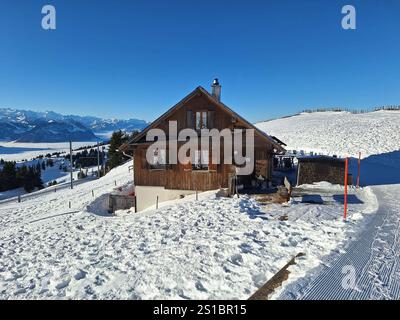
(146, 196)
(120, 202)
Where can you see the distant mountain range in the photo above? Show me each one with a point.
(49, 126)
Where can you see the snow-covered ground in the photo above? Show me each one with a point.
(373, 255)
(340, 133)
(27, 153)
(50, 174)
(367, 268)
(211, 248)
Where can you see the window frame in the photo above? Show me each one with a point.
(199, 166)
(158, 165)
(203, 117)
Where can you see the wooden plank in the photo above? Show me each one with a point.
(275, 282)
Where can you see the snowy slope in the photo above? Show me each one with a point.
(377, 136)
(373, 257)
(211, 248)
(208, 249)
(340, 133)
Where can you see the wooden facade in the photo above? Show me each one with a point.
(183, 177)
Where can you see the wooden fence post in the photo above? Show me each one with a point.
(358, 171)
(345, 187)
(236, 186)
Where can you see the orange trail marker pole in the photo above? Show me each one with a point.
(346, 166)
(358, 171)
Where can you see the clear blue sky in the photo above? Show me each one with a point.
(136, 58)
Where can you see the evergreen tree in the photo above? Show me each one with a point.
(8, 176)
(37, 177)
(49, 162)
(116, 158)
(12, 177)
(29, 180)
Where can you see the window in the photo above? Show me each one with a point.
(201, 120)
(159, 160)
(200, 160)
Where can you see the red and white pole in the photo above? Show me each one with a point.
(346, 171)
(358, 171)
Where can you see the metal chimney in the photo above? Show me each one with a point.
(216, 90)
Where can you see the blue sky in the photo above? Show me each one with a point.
(136, 58)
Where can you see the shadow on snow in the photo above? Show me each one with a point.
(379, 169)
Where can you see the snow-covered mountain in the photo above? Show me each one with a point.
(57, 131)
(11, 130)
(49, 126)
(106, 125)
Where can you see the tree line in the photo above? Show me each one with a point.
(86, 158)
(354, 111)
(27, 177)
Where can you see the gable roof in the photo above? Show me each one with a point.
(181, 103)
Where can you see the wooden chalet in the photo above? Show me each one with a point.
(198, 110)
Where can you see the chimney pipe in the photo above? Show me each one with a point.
(216, 89)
